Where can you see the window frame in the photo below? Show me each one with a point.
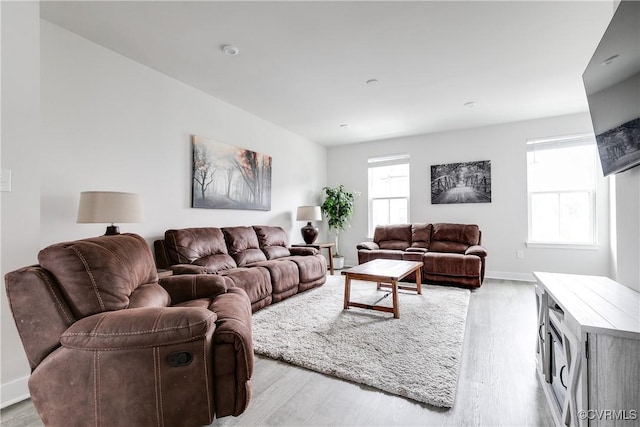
(376, 162)
(557, 143)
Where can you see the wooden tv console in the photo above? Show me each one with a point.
(598, 322)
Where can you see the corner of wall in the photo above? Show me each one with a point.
(20, 218)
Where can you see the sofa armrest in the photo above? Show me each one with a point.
(139, 328)
(417, 250)
(233, 351)
(179, 269)
(371, 246)
(186, 287)
(476, 250)
(39, 310)
(162, 257)
(294, 250)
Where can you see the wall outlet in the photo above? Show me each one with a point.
(520, 254)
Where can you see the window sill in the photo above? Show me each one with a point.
(552, 245)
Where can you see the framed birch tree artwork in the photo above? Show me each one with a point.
(229, 177)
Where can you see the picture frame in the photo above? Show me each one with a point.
(229, 177)
(465, 182)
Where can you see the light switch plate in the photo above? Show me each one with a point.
(5, 180)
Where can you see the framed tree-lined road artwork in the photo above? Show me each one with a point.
(229, 177)
(467, 182)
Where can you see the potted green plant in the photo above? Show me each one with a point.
(338, 207)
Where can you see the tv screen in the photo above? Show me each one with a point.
(612, 84)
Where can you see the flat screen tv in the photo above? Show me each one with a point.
(612, 84)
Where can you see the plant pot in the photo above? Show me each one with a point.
(338, 262)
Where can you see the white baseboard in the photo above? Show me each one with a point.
(14, 391)
(507, 275)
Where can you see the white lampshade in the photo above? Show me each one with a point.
(109, 207)
(309, 213)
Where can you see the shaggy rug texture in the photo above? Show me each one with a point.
(416, 356)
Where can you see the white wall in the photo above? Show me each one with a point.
(503, 221)
(20, 147)
(627, 228)
(611, 107)
(108, 123)
(113, 124)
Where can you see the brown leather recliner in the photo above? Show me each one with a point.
(109, 344)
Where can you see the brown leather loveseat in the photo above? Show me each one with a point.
(257, 259)
(110, 344)
(451, 253)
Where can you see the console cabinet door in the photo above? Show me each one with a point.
(614, 381)
(543, 347)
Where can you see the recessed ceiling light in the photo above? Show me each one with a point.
(372, 81)
(470, 104)
(610, 59)
(344, 126)
(230, 50)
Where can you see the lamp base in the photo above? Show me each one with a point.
(112, 230)
(309, 233)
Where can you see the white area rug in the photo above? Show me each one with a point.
(416, 356)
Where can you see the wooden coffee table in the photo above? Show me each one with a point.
(386, 272)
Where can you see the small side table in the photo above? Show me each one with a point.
(320, 246)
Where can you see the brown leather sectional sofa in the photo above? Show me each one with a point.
(452, 253)
(257, 259)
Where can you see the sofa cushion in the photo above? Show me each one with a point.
(417, 250)
(255, 282)
(396, 236)
(366, 256)
(454, 238)
(273, 241)
(311, 268)
(448, 247)
(413, 256)
(242, 244)
(454, 265)
(216, 262)
(284, 277)
(200, 246)
(421, 235)
(101, 273)
(467, 234)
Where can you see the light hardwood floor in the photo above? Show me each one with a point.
(497, 384)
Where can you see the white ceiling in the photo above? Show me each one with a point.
(303, 65)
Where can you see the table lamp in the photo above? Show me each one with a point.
(309, 213)
(109, 207)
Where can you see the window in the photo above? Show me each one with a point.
(388, 191)
(561, 182)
